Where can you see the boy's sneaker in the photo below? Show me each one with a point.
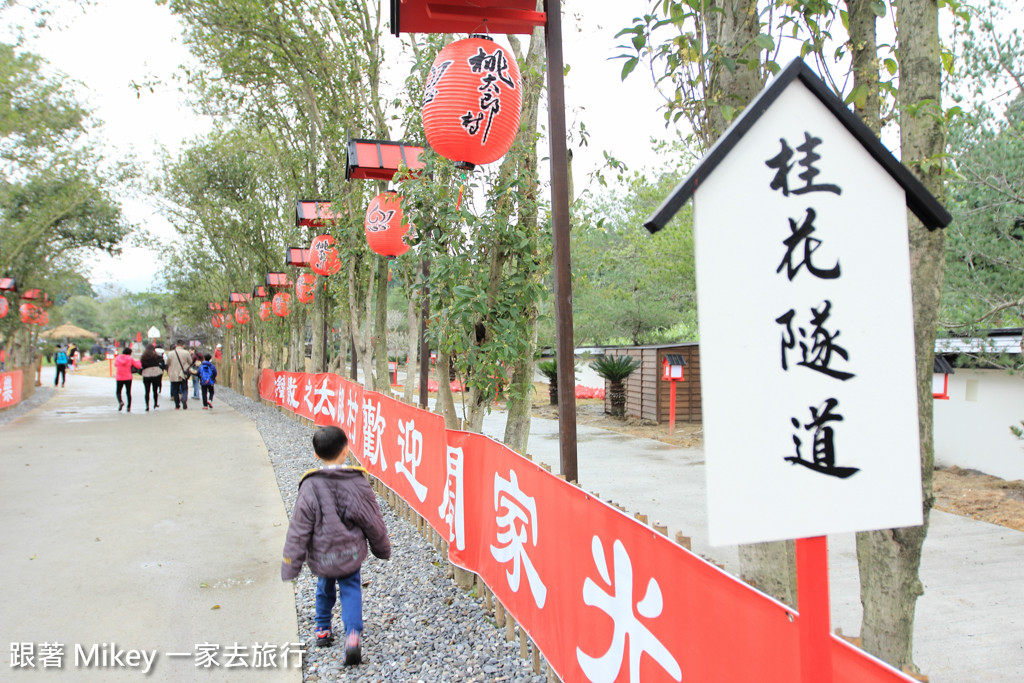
(353, 651)
(323, 636)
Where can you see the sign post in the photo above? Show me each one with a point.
(807, 282)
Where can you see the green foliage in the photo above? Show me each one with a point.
(549, 368)
(628, 284)
(984, 284)
(1017, 431)
(615, 368)
(57, 191)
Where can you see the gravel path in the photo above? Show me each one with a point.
(40, 396)
(419, 627)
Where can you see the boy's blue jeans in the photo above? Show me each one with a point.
(351, 590)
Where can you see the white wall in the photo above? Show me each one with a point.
(972, 428)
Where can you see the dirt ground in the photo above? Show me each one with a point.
(963, 492)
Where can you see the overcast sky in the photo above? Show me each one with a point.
(117, 42)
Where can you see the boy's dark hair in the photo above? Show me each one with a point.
(329, 442)
(207, 356)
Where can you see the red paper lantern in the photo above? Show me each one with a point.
(323, 256)
(266, 309)
(305, 287)
(228, 323)
(242, 315)
(43, 318)
(30, 314)
(472, 102)
(384, 229)
(280, 304)
(4, 307)
(217, 319)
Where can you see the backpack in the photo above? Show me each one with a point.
(61, 359)
(206, 373)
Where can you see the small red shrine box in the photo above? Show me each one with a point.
(672, 367)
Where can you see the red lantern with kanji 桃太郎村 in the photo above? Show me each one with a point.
(281, 302)
(266, 310)
(305, 286)
(323, 256)
(242, 315)
(384, 229)
(4, 307)
(472, 102)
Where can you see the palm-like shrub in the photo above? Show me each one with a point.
(615, 370)
(549, 368)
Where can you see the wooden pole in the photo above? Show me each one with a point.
(672, 406)
(560, 238)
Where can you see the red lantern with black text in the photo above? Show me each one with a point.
(472, 102)
(217, 320)
(384, 229)
(229, 323)
(43, 318)
(4, 307)
(305, 286)
(323, 256)
(281, 302)
(266, 310)
(242, 315)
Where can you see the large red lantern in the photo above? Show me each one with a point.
(43, 318)
(472, 102)
(266, 309)
(4, 307)
(228, 322)
(305, 286)
(217, 319)
(323, 256)
(280, 304)
(242, 315)
(384, 229)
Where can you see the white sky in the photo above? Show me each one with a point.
(116, 42)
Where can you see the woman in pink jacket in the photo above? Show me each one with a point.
(123, 374)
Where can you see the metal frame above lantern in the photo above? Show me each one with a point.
(239, 298)
(259, 292)
(8, 284)
(314, 213)
(465, 16)
(379, 159)
(279, 280)
(296, 256)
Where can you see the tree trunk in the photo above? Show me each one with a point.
(771, 568)
(382, 380)
(890, 560)
(553, 390)
(445, 400)
(864, 50)
(520, 394)
(412, 348)
(617, 398)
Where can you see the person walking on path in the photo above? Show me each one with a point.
(335, 514)
(197, 359)
(123, 366)
(60, 361)
(152, 374)
(207, 375)
(179, 369)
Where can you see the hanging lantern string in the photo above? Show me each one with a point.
(462, 187)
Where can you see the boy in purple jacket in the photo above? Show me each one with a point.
(334, 516)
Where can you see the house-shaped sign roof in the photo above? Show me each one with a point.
(919, 200)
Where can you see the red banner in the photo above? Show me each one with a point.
(604, 597)
(10, 388)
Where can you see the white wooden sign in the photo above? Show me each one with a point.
(806, 330)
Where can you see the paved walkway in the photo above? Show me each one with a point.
(970, 621)
(156, 532)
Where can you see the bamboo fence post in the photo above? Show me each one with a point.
(499, 613)
(510, 628)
